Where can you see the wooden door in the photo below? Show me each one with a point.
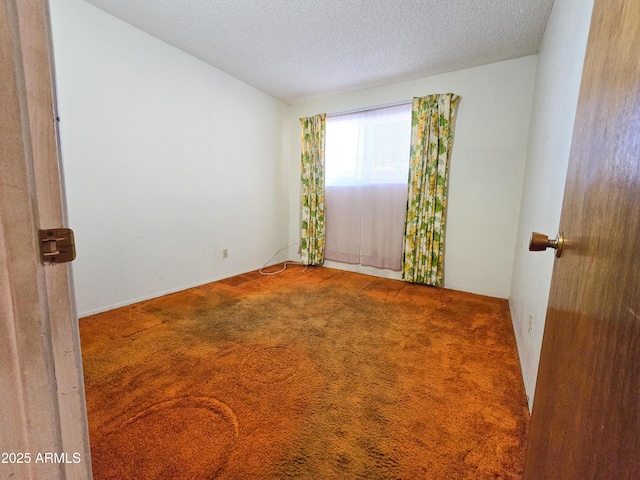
(586, 415)
(43, 426)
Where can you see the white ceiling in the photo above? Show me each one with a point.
(295, 50)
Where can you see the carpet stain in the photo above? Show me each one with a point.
(203, 434)
(270, 364)
(314, 374)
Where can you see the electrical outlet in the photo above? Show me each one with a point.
(530, 327)
(225, 253)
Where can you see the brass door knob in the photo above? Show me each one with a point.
(540, 242)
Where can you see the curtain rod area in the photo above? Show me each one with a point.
(367, 109)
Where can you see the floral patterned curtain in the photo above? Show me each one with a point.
(312, 222)
(433, 118)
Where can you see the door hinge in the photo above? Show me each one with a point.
(57, 245)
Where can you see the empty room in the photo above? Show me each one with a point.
(304, 240)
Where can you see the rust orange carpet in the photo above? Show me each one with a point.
(316, 374)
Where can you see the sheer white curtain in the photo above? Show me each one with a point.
(367, 170)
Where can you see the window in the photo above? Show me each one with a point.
(366, 172)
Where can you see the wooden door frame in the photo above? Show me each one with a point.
(41, 381)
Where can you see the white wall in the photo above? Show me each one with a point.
(167, 161)
(558, 75)
(487, 165)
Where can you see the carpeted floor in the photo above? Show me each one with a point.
(320, 374)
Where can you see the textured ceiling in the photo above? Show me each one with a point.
(296, 50)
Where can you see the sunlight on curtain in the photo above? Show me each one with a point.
(367, 166)
(312, 224)
(433, 118)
